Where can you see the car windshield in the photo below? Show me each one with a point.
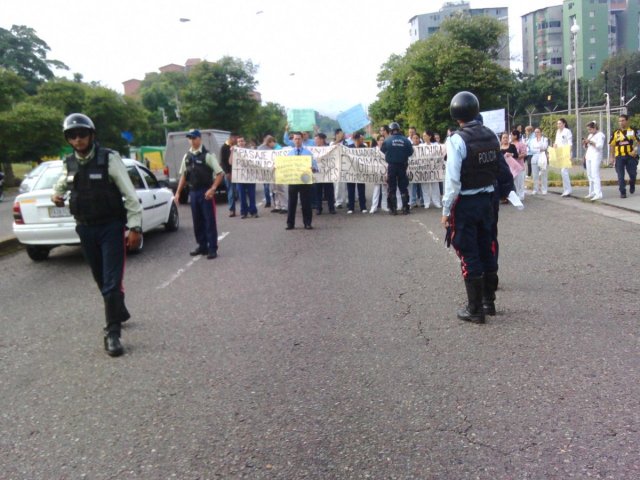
(48, 178)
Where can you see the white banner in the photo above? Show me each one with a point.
(338, 163)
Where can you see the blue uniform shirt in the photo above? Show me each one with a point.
(307, 143)
(456, 152)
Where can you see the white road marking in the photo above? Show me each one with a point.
(180, 271)
(436, 239)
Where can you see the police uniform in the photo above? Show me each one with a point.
(472, 167)
(623, 140)
(200, 169)
(98, 183)
(397, 149)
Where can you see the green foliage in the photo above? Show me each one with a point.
(220, 95)
(326, 125)
(30, 131)
(534, 91)
(391, 102)
(269, 119)
(12, 89)
(24, 53)
(615, 66)
(64, 95)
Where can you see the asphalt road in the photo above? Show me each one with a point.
(331, 354)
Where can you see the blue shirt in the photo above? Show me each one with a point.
(307, 143)
(304, 151)
(456, 152)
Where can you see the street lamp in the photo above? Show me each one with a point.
(569, 69)
(575, 28)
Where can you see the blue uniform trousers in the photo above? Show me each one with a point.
(305, 192)
(203, 212)
(103, 246)
(397, 177)
(473, 234)
(351, 195)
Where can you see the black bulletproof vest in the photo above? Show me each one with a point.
(480, 167)
(199, 174)
(94, 198)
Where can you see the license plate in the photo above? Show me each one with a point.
(57, 212)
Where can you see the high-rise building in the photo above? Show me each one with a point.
(606, 27)
(542, 45)
(425, 25)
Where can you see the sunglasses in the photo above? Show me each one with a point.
(80, 133)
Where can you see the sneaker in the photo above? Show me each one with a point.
(244, 215)
(338, 205)
(544, 192)
(373, 210)
(589, 196)
(438, 205)
(364, 210)
(349, 212)
(565, 194)
(623, 195)
(596, 197)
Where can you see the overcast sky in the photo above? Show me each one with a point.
(322, 55)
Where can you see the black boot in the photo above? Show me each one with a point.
(473, 311)
(393, 204)
(489, 293)
(405, 204)
(112, 344)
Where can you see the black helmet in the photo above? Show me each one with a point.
(464, 106)
(394, 126)
(77, 120)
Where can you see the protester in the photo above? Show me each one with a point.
(103, 202)
(340, 187)
(594, 143)
(526, 138)
(626, 156)
(324, 191)
(246, 191)
(539, 146)
(472, 168)
(431, 190)
(303, 190)
(268, 143)
(379, 196)
(225, 163)
(415, 192)
(358, 142)
(521, 148)
(564, 138)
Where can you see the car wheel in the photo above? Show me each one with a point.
(174, 219)
(38, 253)
(136, 251)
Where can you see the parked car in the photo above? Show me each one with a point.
(31, 178)
(41, 226)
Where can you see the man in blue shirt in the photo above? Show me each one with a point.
(467, 213)
(304, 190)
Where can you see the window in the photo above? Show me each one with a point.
(556, 61)
(592, 28)
(135, 177)
(555, 24)
(592, 14)
(149, 178)
(592, 40)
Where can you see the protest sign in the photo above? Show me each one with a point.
(426, 165)
(252, 166)
(353, 119)
(293, 170)
(362, 165)
(560, 157)
(494, 119)
(302, 120)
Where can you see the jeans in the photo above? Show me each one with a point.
(631, 165)
(351, 193)
(231, 193)
(247, 194)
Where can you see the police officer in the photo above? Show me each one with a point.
(201, 170)
(98, 181)
(472, 168)
(397, 149)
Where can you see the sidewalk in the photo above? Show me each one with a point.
(610, 192)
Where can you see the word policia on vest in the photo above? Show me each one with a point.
(341, 164)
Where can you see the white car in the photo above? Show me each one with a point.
(40, 225)
(31, 178)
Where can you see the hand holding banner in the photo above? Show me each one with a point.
(560, 157)
(353, 119)
(301, 119)
(293, 170)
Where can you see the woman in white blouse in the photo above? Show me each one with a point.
(539, 161)
(594, 143)
(564, 137)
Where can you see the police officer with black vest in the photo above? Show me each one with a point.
(468, 213)
(397, 149)
(98, 181)
(201, 170)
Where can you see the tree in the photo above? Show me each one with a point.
(220, 95)
(268, 119)
(546, 91)
(622, 71)
(24, 53)
(417, 87)
(12, 89)
(64, 95)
